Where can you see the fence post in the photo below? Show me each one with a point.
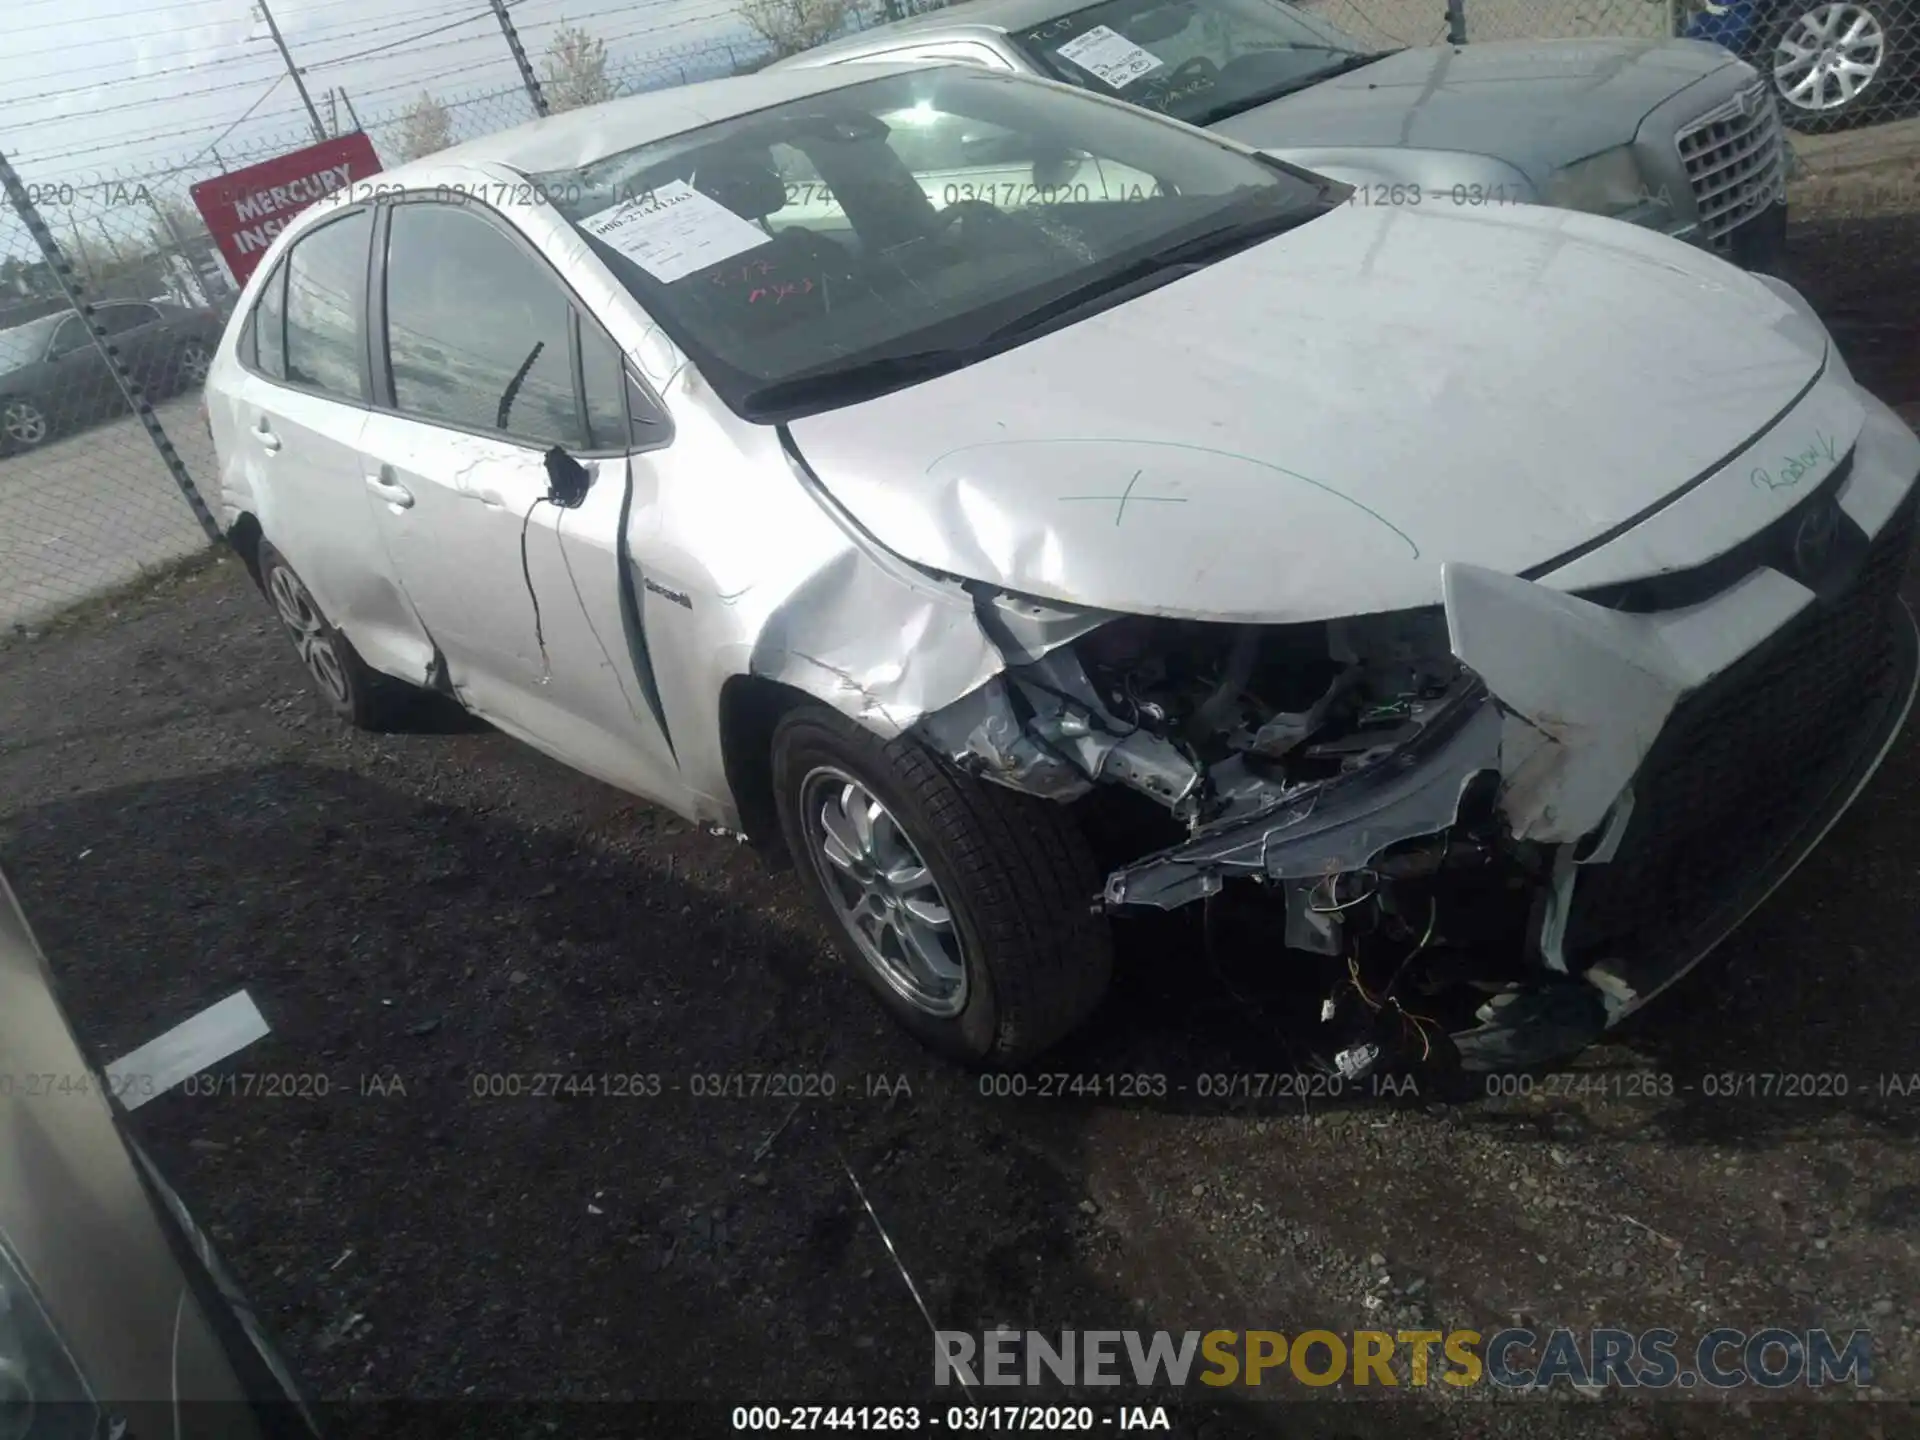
(527, 77)
(71, 288)
(201, 294)
(1456, 22)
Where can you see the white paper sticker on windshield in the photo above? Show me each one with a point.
(1110, 56)
(672, 231)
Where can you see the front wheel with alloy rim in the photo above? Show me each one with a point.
(1830, 61)
(23, 423)
(353, 690)
(965, 906)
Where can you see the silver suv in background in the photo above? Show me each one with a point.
(1677, 135)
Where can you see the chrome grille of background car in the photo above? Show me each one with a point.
(1733, 157)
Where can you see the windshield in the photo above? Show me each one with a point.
(913, 217)
(24, 344)
(1197, 60)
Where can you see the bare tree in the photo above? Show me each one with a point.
(175, 223)
(16, 277)
(790, 26)
(425, 128)
(576, 65)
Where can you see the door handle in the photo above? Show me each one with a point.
(269, 441)
(390, 489)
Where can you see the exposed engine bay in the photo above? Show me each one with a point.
(1416, 795)
(1229, 727)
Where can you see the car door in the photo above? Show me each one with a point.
(489, 366)
(134, 330)
(79, 387)
(302, 406)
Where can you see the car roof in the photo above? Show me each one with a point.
(995, 15)
(593, 132)
(39, 322)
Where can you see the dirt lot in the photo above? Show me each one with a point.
(442, 907)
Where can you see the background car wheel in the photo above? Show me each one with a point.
(358, 694)
(1830, 60)
(194, 363)
(965, 906)
(23, 424)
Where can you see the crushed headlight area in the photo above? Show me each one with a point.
(1438, 809)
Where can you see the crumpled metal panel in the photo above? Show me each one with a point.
(1326, 829)
(1041, 728)
(885, 643)
(828, 638)
(1587, 691)
(1575, 696)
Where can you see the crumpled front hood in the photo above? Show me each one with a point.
(1538, 104)
(1309, 428)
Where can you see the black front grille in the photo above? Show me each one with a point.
(1742, 763)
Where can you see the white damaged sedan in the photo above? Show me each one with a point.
(1505, 600)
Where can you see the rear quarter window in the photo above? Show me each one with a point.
(266, 341)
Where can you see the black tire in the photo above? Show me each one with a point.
(352, 690)
(1873, 99)
(1015, 873)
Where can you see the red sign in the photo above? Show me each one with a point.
(245, 209)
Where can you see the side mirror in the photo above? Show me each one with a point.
(1054, 169)
(567, 479)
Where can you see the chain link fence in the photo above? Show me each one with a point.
(98, 400)
(1838, 67)
(112, 298)
(112, 293)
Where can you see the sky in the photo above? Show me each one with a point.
(96, 92)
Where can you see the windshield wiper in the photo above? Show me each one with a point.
(1164, 266)
(1215, 114)
(858, 380)
(874, 375)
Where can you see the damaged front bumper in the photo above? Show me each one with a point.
(1653, 775)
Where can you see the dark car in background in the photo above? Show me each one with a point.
(117, 1319)
(53, 378)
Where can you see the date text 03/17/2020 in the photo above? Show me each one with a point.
(963, 1419)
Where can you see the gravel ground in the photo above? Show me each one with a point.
(417, 913)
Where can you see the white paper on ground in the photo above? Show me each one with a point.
(1110, 56)
(672, 231)
(187, 1049)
